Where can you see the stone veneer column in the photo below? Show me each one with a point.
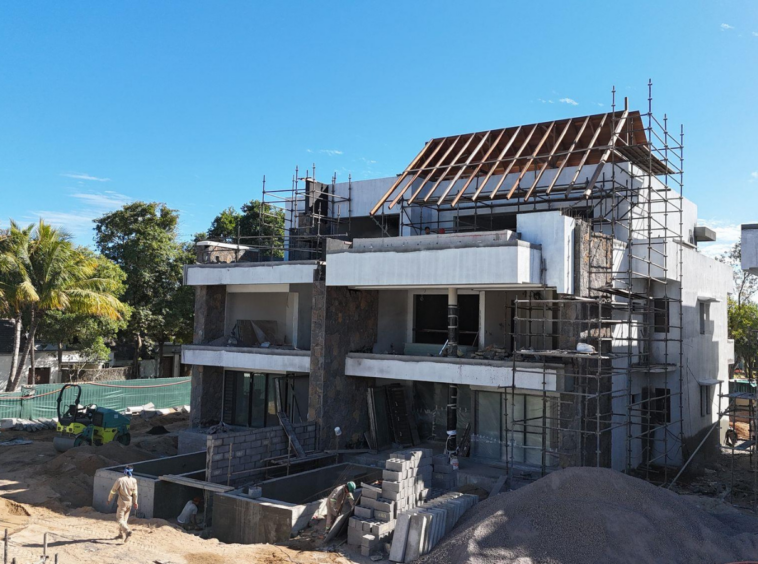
(343, 321)
(207, 381)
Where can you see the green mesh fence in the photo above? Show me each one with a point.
(118, 395)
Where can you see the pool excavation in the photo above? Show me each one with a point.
(406, 494)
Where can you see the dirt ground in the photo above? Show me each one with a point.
(43, 491)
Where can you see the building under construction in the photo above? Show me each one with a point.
(530, 297)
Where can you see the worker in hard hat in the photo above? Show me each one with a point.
(188, 517)
(336, 501)
(126, 490)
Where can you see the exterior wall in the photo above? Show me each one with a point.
(511, 262)
(343, 321)
(296, 272)
(234, 457)
(207, 381)
(555, 233)
(749, 240)
(42, 359)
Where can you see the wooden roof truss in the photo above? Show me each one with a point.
(477, 157)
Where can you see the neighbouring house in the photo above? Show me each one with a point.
(535, 293)
(46, 367)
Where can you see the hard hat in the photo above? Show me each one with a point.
(351, 487)
(128, 471)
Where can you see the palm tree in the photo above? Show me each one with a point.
(16, 288)
(63, 279)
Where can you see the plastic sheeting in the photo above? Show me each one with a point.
(118, 395)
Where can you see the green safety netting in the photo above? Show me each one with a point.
(118, 395)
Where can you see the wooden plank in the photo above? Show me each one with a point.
(397, 182)
(586, 154)
(450, 167)
(496, 163)
(547, 161)
(606, 153)
(435, 167)
(284, 421)
(531, 160)
(418, 172)
(463, 168)
(513, 161)
(478, 168)
(569, 153)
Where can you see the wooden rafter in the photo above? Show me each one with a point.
(606, 153)
(398, 181)
(439, 162)
(585, 155)
(526, 167)
(548, 159)
(568, 155)
(514, 159)
(463, 168)
(415, 176)
(474, 174)
(450, 167)
(496, 163)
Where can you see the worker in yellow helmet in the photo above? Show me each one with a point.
(336, 501)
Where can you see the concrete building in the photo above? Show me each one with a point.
(533, 295)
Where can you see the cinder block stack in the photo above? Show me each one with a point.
(407, 477)
(419, 530)
(444, 476)
(406, 481)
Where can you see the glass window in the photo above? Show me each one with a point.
(489, 422)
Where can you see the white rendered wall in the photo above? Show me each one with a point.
(473, 266)
(42, 359)
(249, 273)
(555, 232)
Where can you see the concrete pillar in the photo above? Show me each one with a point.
(343, 321)
(207, 381)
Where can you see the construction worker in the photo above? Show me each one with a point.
(126, 490)
(336, 501)
(188, 517)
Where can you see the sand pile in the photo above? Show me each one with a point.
(71, 474)
(10, 508)
(592, 515)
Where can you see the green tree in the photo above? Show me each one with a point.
(142, 239)
(16, 289)
(64, 279)
(87, 333)
(745, 284)
(743, 328)
(257, 224)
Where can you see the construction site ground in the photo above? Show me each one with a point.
(43, 491)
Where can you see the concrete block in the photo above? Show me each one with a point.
(397, 550)
(440, 459)
(394, 465)
(365, 551)
(392, 475)
(368, 502)
(369, 540)
(381, 530)
(389, 486)
(371, 494)
(382, 516)
(364, 512)
(366, 527)
(354, 536)
(416, 536)
(354, 522)
(394, 496)
(426, 461)
(443, 469)
(384, 505)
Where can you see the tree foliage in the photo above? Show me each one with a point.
(142, 239)
(48, 274)
(743, 328)
(745, 284)
(257, 224)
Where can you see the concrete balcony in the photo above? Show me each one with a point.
(277, 275)
(483, 259)
(267, 360)
(491, 373)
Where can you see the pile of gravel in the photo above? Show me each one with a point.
(592, 515)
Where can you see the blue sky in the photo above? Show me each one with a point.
(191, 103)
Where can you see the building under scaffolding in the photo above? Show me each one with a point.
(532, 295)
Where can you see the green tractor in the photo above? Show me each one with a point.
(88, 425)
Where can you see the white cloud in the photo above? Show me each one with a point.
(727, 234)
(726, 27)
(79, 223)
(569, 101)
(328, 152)
(84, 176)
(754, 176)
(755, 34)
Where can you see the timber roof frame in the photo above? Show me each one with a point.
(618, 136)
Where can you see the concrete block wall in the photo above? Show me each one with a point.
(234, 457)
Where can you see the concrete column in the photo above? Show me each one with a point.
(452, 322)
